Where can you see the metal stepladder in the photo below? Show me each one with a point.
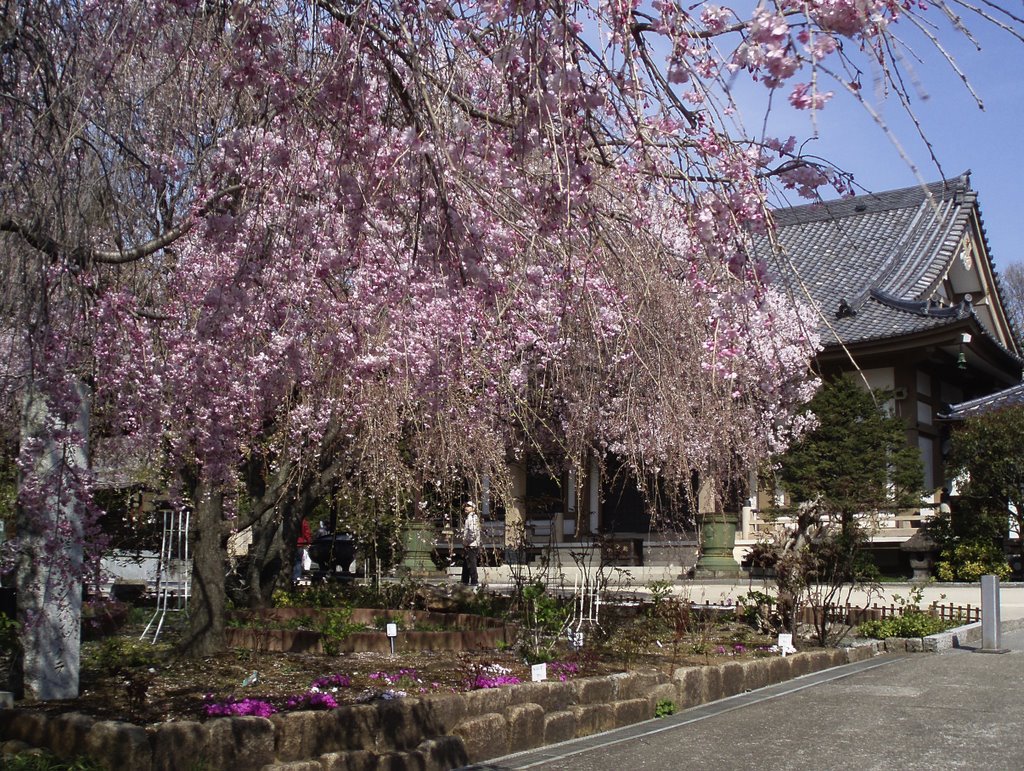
(174, 571)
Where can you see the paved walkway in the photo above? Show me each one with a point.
(953, 710)
(712, 591)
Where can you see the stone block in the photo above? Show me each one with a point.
(295, 765)
(525, 726)
(915, 645)
(176, 741)
(29, 727)
(635, 685)
(443, 752)
(800, 664)
(553, 695)
(817, 661)
(895, 645)
(356, 760)
(309, 734)
(712, 684)
(66, 734)
(689, 686)
(594, 690)
(444, 710)
(733, 678)
(663, 692)
(240, 742)
(593, 718)
(755, 674)
(120, 745)
(486, 700)
(630, 711)
(484, 736)
(781, 669)
(401, 725)
(559, 727)
(13, 747)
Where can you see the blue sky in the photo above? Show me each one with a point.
(989, 142)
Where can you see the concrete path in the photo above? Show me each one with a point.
(953, 710)
(638, 580)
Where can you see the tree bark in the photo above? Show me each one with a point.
(205, 635)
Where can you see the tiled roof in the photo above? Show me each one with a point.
(1009, 397)
(870, 263)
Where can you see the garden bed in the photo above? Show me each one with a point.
(363, 630)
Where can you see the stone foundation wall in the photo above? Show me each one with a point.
(435, 732)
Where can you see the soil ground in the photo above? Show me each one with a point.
(125, 679)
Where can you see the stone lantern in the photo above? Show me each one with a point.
(921, 549)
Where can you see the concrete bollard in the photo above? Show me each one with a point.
(990, 615)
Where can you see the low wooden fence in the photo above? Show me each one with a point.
(852, 615)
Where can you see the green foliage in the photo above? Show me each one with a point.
(117, 654)
(337, 624)
(8, 633)
(543, 618)
(856, 462)
(660, 591)
(857, 458)
(969, 561)
(915, 623)
(664, 708)
(32, 761)
(542, 611)
(987, 456)
(750, 606)
(910, 622)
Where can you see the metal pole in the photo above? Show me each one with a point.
(990, 615)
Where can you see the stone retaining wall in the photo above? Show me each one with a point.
(435, 732)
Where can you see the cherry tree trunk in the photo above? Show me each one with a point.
(205, 635)
(50, 566)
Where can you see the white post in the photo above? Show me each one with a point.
(990, 615)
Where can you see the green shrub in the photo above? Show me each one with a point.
(336, 626)
(664, 708)
(35, 761)
(914, 623)
(970, 561)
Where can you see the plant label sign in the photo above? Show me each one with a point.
(786, 644)
(392, 630)
(539, 672)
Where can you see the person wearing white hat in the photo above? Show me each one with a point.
(470, 543)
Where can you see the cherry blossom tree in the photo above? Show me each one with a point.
(286, 244)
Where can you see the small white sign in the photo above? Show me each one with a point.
(392, 630)
(576, 640)
(786, 644)
(539, 672)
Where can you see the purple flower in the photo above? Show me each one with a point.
(333, 681)
(251, 707)
(482, 681)
(563, 669)
(312, 700)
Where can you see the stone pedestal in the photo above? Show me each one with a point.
(418, 539)
(718, 538)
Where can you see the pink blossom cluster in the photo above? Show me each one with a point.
(406, 243)
(312, 699)
(253, 707)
